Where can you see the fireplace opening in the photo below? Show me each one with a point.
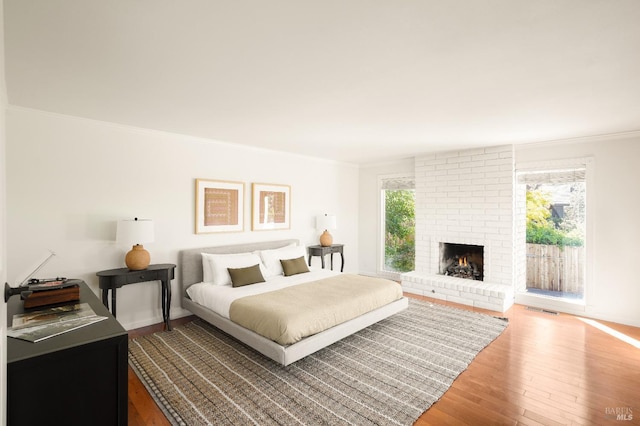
(462, 261)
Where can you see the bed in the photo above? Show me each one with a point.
(192, 279)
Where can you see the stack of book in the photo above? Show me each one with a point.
(42, 324)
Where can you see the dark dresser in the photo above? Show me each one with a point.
(76, 378)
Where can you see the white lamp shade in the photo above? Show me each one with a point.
(325, 222)
(132, 232)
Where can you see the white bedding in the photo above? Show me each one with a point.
(218, 298)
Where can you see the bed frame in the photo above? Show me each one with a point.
(190, 267)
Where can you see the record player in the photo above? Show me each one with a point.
(48, 291)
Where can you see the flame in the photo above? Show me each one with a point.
(462, 261)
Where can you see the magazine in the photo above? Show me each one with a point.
(42, 324)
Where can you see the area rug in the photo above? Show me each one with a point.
(388, 373)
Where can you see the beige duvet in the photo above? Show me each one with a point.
(290, 314)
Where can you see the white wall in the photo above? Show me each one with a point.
(3, 240)
(615, 290)
(369, 216)
(69, 180)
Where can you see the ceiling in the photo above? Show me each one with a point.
(359, 81)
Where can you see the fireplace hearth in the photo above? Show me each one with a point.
(462, 261)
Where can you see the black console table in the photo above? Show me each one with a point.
(76, 378)
(113, 279)
(322, 250)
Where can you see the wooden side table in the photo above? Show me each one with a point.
(322, 250)
(113, 279)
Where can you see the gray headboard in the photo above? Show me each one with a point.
(190, 260)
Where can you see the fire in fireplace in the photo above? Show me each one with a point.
(462, 261)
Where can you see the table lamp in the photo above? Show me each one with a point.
(324, 223)
(135, 233)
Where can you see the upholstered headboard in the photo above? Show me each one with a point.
(190, 260)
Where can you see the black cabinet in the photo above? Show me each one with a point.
(76, 378)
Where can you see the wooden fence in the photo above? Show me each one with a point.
(555, 268)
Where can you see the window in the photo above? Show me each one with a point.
(398, 224)
(555, 232)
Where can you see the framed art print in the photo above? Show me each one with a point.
(219, 206)
(270, 207)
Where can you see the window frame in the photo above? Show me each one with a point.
(588, 163)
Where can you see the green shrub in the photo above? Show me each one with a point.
(400, 227)
(400, 253)
(548, 235)
(542, 228)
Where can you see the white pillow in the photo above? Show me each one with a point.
(214, 266)
(271, 258)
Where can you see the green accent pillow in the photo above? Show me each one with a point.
(294, 266)
(245, 276)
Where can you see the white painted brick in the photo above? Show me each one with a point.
(499, 161)
(496, 187)
(411, 288)
(413, 291)
(489, 306)
(494, 174)
(449, 292)
(468, 164)
(491, 181)
(460, 300)
(496, 300)
(436, 295)
(447, 154)
(476, 297)
(485, 157)
(499, 148)
(472, 152)
(447, 166)
(459, 228)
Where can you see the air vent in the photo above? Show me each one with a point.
(544, 311)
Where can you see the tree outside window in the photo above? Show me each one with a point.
(400, 230)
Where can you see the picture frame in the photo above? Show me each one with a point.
(271, 207)
(219, 206)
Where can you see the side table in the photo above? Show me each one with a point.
(322, 250)
(113, 279)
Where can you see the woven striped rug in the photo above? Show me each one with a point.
(386, 374)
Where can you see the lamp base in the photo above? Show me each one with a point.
(138, 258)
(326, 239)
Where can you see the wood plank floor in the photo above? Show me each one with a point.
(543, 370)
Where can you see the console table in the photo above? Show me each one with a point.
(113, 279)
(322, 250)
(76, 378)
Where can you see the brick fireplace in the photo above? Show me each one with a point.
(465, 198)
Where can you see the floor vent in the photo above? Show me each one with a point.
(544, 311)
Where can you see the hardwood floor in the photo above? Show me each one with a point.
(143, 410)
(543, 370)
